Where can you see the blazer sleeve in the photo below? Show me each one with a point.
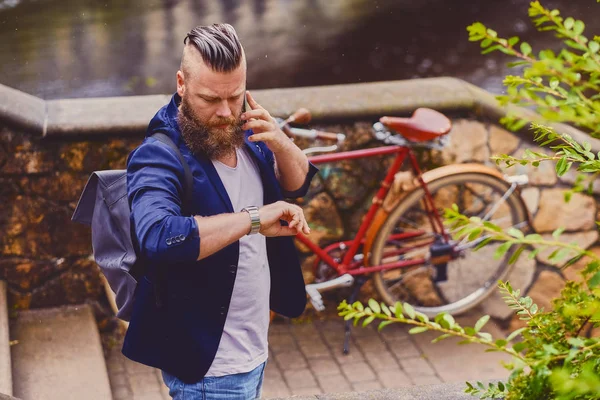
(155, 179)
(300, 192)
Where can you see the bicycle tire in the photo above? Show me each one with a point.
(518, 214)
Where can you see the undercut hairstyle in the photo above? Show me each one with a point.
(218, 45)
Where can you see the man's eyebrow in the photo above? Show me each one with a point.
(211, 97)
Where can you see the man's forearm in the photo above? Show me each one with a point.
(292, 167)
(221, 230)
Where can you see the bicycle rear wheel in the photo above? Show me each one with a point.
(474, 274)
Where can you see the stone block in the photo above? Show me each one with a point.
(291, 359)
(394, 379)
(544, 174)
(381, 361)
(299, 378)
(582, 239)
(531, 197)
(416, 366)
(502, 141)
(468, 142)
(546, 288)
(334, 383)
(520, 277)
(314, 349)
(282, 343)
(367, 385)
(358, 372)
(576, 215)
(573, 272)
(324, 367)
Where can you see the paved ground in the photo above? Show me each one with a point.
(306, 358)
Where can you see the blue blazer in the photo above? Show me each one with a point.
(180, 333)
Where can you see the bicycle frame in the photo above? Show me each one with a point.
(348, 265)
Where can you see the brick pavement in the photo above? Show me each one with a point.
(306, 358)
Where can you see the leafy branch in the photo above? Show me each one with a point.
(561, 87)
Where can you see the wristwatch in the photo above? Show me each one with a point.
(254, 219)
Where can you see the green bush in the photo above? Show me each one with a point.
(551, 356)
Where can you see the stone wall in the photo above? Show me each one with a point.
(45, 258)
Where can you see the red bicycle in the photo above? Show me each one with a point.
(404, 246)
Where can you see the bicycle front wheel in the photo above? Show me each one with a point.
(407, 235)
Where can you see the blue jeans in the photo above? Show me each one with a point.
(245, 386)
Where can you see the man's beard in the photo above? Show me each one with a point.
(206, 139)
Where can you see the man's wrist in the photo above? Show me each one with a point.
(252, 212)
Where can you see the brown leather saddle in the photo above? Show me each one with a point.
(424, 125)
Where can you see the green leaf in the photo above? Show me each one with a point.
(562, 166)
(518, 347)
(501, 342)
(492, 226)
(349, 316)
(374, 306)
(441, 337)
(514, 232)
(450, 320)
(594, 46)
(398, 310)
(383, 324)
(525, 48)
(482, 321)
(418, 329)
(409, 310)
(368, 320)
(515, 334)
(569, 22)
(485, 336)
(579, 27)
(358, 306)
(470, 331)
(386, 310)
(594, 281)
(502, 249)
(513, 40)
(516, 255)
(557, 233)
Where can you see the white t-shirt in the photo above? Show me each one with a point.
(244, 345)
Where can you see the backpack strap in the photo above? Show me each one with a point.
(189, 183)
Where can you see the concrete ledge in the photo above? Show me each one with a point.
(446, 391)
(22, 109)
(58, 355)
(130, 115)
(7, 397)
(110, 115)
(5, 364)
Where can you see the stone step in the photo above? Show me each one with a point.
(58, 355)
(5, 365)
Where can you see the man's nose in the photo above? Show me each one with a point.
(223, 109)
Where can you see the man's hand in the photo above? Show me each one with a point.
(264, 127)
(271, 214)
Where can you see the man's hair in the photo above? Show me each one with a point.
(218, 45)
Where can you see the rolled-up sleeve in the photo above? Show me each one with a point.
(301, 192)
(155, 190)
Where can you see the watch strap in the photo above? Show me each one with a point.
(254, 219)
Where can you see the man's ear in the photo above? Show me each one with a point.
(180, 83)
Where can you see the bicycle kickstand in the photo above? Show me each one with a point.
(358, 283)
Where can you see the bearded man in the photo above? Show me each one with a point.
(201, 310)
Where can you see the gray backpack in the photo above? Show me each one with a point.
(104, 205)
